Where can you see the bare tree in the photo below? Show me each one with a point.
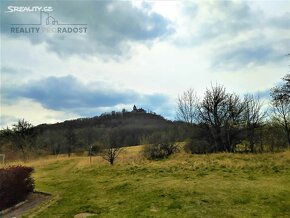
(281, 105)
(111, 148)
(22, 134)
(70, 140)
(213, 112)
(282, 92)
(253, 117)
(232, 127)
(187, 107)
(281, 114)
(110, 153)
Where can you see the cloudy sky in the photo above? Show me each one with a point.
(143, 53)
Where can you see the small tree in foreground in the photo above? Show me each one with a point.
(110, 153)
(112, 147)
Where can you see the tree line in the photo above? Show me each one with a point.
(226, 121)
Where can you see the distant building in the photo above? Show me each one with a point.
(139, 110)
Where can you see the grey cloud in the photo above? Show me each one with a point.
(280, 22)
(257, 51)
(69, 94)
(10, 70)
(262, 39)
(227, 18)
(112, 25)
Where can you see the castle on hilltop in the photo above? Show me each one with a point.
(139, 110)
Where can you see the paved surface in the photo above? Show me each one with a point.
(33, 200)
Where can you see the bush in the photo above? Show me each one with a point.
(197, 146)
(15, 185)
(159, 151)
(96, 149)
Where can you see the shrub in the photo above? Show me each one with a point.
(159, 151)
(96, 149)
(15, 185)
(197, 146)
(169, 148)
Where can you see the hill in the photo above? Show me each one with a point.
(124, 128)
(112, 120)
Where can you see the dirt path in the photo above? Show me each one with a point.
(33, 200)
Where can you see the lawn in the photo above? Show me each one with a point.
(184, 185)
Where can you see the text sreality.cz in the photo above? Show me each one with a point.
(48, 30)
(12, 9)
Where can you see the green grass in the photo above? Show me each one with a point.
(216, 185)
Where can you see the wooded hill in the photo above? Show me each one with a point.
(125, 128)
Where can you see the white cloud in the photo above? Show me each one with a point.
(213, 42)
(32, 111)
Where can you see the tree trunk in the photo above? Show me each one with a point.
(23, 153)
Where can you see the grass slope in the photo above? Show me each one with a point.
(216, 185)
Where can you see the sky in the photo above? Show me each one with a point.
(135, 52)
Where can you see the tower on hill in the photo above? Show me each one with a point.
(139, 110)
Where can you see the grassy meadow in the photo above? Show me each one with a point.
(184, 185)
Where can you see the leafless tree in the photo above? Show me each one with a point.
(281, 114)
(110, 153)
(226, 117)
(281, 105)
(213, 112)
(253, 117)
(70, 140)
(22, 134)
(232, 126)
(282, 92)
(187, 107)
(111, 147)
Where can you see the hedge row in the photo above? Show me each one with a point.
(15, 185)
